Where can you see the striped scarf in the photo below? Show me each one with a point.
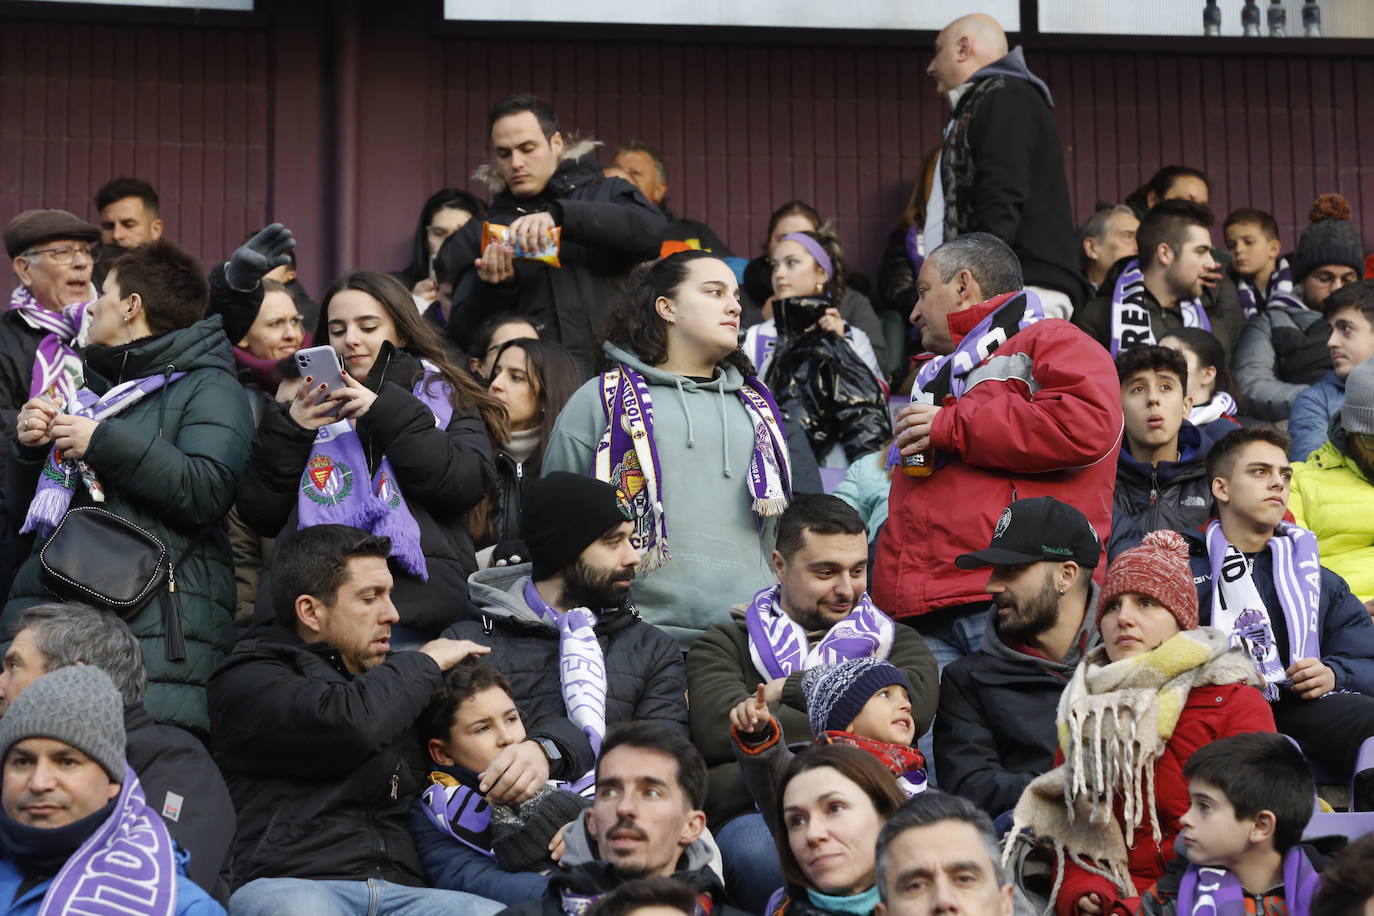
(57, 369)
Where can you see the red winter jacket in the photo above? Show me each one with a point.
(1050, 428)
(1212, 712)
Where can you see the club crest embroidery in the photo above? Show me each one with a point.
(1002, 523)
(633, 496)
(387, 491)
(327, 481)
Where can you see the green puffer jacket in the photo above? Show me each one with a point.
(170, 463)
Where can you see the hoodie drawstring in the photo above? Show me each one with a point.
(682, 396)
(724, 420)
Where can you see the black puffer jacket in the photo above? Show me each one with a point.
(323, 766)
(1280, 352)
(608, 227)
(1169, 494)
(644, 671)
(182, 783)
(442, 473)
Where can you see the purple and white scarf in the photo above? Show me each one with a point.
(949, 373)
(57, 481)
(1218, 892)
(581, 671)
(627, 457)
(459, 811)
(1131, 317)
(1280, 284)
(1221, 405)
(777, 643)
(329, 490)
(57, 368)
(1239, 612)
(128, 866)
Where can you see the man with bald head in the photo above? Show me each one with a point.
(1001, 167)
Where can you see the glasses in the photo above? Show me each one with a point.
(1364, 441)
(1326, 277)
(66, 254)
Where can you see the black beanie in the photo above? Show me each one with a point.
(563, 513)
(1331, 239)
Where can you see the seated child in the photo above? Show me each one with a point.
(1210, 383)
(499, 852)
(1251, 798)
(863, 702)
(1252, 238)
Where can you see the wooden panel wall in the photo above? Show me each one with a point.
(185, 108)
(340, 118)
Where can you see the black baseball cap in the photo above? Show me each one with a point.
(1032, 530)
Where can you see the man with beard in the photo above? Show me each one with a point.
(995, 729)
(562, 630)
(645, 822)
(819, 613)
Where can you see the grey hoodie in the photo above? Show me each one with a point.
(705, 440)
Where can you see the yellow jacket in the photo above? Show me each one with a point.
(1333, 499)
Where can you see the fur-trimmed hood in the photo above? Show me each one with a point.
(575, 149)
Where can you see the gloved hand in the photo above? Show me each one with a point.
(509, 553)
(261, 254)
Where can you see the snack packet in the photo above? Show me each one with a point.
(547, 252)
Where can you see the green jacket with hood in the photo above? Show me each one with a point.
(705, 440)
(171, 464)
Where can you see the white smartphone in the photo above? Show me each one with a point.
(323, 366)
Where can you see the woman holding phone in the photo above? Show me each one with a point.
(397, 443)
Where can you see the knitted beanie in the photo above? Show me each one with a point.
(835, 694)
(1357, 413)
(1331, 239)
(562, 514)
(1157, 568)
(77, 705)
(521, 834)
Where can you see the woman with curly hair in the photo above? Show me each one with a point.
(680, 423)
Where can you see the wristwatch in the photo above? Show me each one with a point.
(551, 750)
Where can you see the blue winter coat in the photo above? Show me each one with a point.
(1309, 421)
(1347, 635)
(191, 900)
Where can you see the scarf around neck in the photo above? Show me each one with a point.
(860, 904)
(1131, 315)
(627, 457)
(1218, 892)
(1240, 613)
(777, 643)
(330, 492)
(907, 763)
(1280, 284)
(1114, 719)
(1221, 405)
(126, 866)
(947, 375)
(57, 481)
(581, 671)
(57, 370)
(458, 810)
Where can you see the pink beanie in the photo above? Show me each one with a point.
(1158, 568)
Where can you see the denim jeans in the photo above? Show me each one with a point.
(950, 635)
(750, 860)
(304, 897)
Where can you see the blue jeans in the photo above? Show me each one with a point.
(750, 860)
(373, 897)
(952, 636)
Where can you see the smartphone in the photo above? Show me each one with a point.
(323, 366)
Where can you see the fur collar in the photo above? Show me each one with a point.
(574, 149)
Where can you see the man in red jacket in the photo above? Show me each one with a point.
(1023, 406)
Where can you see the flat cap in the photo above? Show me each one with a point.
(34, 226)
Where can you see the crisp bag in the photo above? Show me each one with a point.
(547, 252)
